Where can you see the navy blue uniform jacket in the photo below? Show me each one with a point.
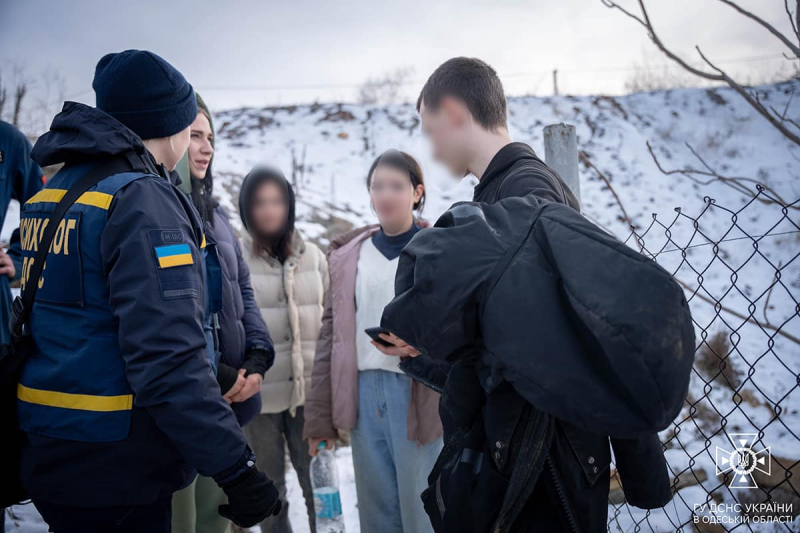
(20, 178)
(118, 402)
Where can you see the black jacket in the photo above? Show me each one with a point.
(490, 372)
(516, 171)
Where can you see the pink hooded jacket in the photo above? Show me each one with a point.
(332, 403)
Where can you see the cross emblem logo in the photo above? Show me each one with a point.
(743, 460)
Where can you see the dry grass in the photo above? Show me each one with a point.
(715, 361)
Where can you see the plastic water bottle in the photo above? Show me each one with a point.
(325, 483)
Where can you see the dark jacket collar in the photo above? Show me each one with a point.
(391, 245)
(502, 162)
(82, 133)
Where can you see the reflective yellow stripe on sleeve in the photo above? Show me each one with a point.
(203, 244)
(83, 402)
(93, 198)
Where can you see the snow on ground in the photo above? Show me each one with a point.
(347, 489)
(326, 150)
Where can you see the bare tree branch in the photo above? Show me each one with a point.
(614, 5)
(735, 182)
(716, 74)
(645, 22)
(788, 102)
(784, 118)
(753, 101)
(769, 27)
(794, 22)
(797, 19)
(19, 96)
(585, 158)
(769, 294)
(751, 319)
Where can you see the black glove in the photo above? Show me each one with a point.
(252, 497)
(226, 377)
(257, 361)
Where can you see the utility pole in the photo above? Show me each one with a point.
(561, 154)
(555, 82)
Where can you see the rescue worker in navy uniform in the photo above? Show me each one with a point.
(117, 402)
(20, 178)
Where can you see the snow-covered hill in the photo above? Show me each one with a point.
(333, 145)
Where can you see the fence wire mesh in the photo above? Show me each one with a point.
(740, 270)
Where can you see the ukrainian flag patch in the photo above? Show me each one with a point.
(174, 255)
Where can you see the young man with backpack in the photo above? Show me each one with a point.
(463, 110)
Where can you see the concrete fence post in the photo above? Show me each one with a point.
(561, 154)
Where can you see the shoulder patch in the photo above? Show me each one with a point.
(171, 249)
(173, 255)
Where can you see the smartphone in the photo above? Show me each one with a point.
(374, 332)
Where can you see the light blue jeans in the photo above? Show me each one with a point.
(391, 471)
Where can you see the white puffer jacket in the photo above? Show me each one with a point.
(290, 297)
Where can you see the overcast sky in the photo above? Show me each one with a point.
(282, 52)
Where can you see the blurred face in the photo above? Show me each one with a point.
(200, 148)
(393, 195)
(447, 128)
(269, 210)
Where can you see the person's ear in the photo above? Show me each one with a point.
(455, 111)
(419, 190)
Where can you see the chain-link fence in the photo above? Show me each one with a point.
(734, 451)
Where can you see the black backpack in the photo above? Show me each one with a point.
(582, 327)
(14, 354)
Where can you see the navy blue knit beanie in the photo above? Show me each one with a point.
(145, 93)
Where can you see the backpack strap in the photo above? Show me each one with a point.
(21, 308)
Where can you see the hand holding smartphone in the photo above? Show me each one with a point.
(400, 349)
(374, 333)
